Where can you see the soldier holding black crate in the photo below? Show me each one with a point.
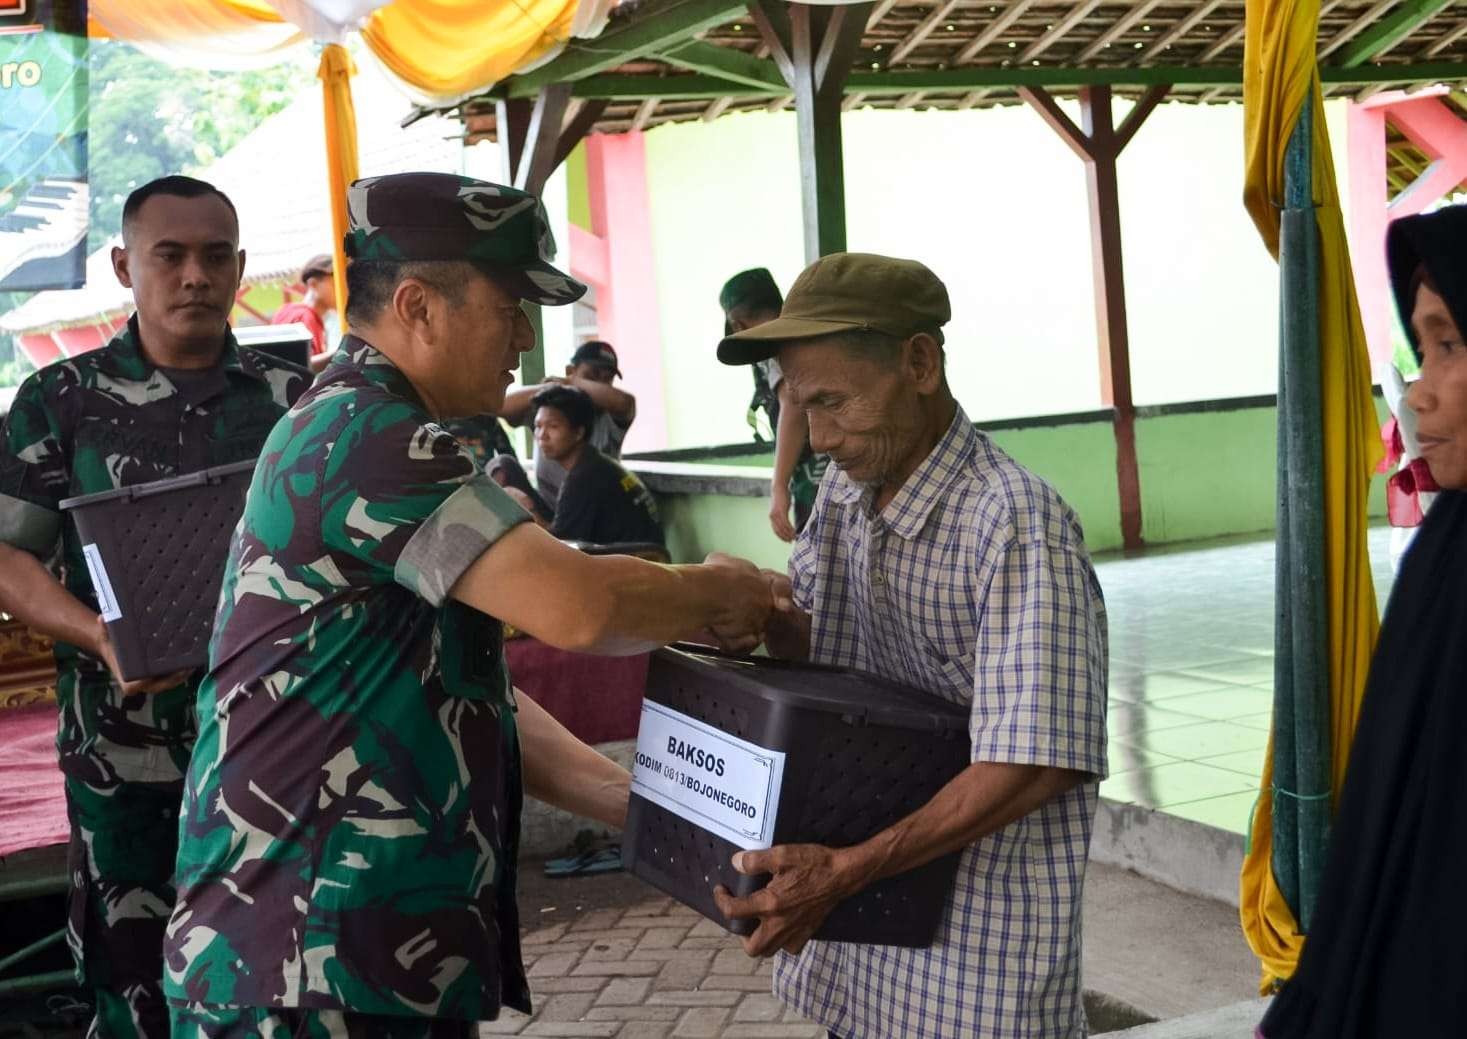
(171, 394)
(351, 817)
(932, 558)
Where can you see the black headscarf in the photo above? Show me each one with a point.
(1386, 956)
(1438, 242)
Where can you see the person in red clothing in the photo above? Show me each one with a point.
(320, 299)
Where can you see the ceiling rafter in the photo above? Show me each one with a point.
(1061, 29)
(923, 30)
(1181, 29)
(1001, 25)
(1449, 38)
(1356, 27)
(1115, 32)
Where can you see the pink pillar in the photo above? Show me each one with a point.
(1365, 134)
(616, 257)
(1442, 137)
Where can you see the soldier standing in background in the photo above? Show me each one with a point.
(172, 393)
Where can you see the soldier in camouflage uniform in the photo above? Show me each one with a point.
(350, 821)
(749, 299)
(171, 394)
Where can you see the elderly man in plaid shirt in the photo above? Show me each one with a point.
(935, 559)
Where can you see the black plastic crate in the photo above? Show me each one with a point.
(860, 754)
(290, 343)
(157, 552)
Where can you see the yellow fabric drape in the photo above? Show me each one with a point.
(1280, 77)
(335, 74)
(229, 33)
(448, 48)
(442, 48)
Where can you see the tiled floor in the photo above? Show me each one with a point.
(1191, 675)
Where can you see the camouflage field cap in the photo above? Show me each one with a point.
(845, 292)
(439, 216)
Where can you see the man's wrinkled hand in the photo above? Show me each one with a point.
(808, 881)
(106, 653)
(740, 628)
(782, 589)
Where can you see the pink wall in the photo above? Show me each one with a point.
(616, 257)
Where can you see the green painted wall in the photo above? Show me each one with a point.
(1207, 474)
(577, 189)
(1203, 475)
(996, 205)
(697, 524)
(1079, 461)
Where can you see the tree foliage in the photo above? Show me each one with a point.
(148, 119)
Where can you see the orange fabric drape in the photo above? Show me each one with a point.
(335, 74)
(1280, 77)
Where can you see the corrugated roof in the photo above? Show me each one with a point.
(959, 54)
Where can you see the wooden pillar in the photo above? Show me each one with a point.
(535, 137)
(814, 48)
(1099, 143)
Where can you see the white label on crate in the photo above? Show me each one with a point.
(106, 598)
(726, 785)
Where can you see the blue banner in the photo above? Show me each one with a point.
(43, 144)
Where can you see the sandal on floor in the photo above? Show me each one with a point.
(597, 860)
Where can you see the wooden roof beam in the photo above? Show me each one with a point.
(1119, 29)
(1229, 38)
(716, 109)
(1000, 25)
(773, 22)
(1043, 102)
(1356, 27)
(645, 112)
(1139, 113)
(654, 27)
(1380, 38)
(970, 78)
(923, 30)
(1061, 29)
(880, 11)
(725, 63)
(1446, 41)
(1181, 29)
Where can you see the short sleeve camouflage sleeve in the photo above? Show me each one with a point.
(406, 500)
(33, 471)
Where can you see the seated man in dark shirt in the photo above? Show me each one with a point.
(600, 502)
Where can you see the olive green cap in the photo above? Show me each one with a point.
(846, 292)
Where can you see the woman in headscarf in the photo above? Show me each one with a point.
(1386, 956)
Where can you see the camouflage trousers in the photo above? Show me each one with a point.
(121, 759)
(196, 1021)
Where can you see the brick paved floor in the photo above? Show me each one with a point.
(655, 970)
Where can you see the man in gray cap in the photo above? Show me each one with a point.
(933, 558)
(350, 821)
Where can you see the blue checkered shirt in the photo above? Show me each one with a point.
(974, 584)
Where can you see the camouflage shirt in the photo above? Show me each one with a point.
(109, 419)
(350, 819)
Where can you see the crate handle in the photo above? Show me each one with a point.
(187, 480)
